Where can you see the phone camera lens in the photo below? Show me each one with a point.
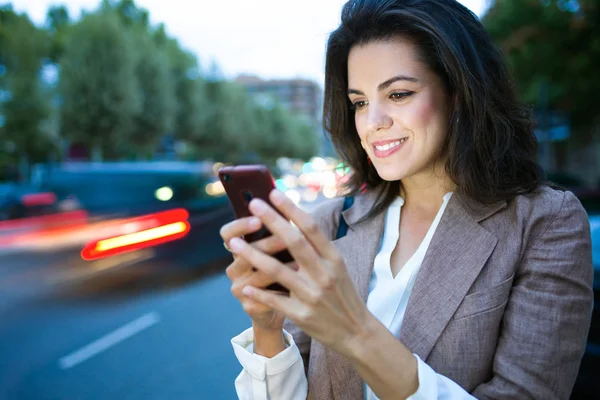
(247, 196)
(226, 177)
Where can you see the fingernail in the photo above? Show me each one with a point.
(247, 290)
(258, 206)
(236, 244)
(254, 223)
(277, 197)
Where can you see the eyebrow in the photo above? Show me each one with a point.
(384, 85)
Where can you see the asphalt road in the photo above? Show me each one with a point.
(116, 336)
(137, 340)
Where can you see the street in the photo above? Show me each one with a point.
(130, 334)
(138, 341)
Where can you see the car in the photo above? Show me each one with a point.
(150, 217)
(19, 201)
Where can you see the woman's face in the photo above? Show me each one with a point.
(401, 109)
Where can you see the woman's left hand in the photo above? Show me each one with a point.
(323, 301)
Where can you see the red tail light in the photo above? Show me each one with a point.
(38, 199)
(152, 230)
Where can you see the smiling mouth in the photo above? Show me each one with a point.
(391, 145)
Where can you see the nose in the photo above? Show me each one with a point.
(378, 118)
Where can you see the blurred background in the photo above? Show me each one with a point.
(114, 119)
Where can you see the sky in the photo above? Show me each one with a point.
(268, 38)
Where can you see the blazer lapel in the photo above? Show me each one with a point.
(458, 251)
(361, 243)
(359, 248)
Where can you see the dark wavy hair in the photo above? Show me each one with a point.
(490, 146)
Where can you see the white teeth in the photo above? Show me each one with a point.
(390, 145)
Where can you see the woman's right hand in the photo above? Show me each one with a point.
(242, 273)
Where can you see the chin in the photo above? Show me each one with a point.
(391, 173)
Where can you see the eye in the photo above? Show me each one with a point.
(359, 104)
(400, 95)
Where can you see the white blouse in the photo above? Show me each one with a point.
(283, 378)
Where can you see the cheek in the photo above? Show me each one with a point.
(424, 113)
(429, 118)
(361, 126)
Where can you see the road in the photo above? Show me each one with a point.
(119, 336)
(135, 341)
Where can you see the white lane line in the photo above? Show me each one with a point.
(109, 340)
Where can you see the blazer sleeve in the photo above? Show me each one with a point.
(547, 319)
(327, 216)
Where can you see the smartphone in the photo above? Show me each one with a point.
(243, 183)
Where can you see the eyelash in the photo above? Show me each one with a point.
(396, 96)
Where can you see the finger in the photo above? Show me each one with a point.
(288, 306)
(301, 250)
(305, 223)
(240, 266)
(241, 269)
(249, 276)
(273, 268)
(240, 227)
(258, 279)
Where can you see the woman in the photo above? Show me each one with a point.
(461, 275)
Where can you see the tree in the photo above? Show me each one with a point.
(288, 135)
(57, 23)
(228, 122)
(155, 81)
(306, 140)
(553, 43)
(265, 141)
(157, 92)
(98, 85)
(189, 89)
(278, 137)
(24, 103)
(130, 14)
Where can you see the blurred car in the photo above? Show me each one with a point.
(22, 201)
(143, 217)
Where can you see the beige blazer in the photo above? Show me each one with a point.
(501, 305)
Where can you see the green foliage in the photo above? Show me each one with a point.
(57, 24)
(130, 14)
(553, 42)
(24, 103)
(189, 91)
(228, 124)
(98, 85)
(157, 92)
(306, 140)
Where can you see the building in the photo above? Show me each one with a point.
(301, 96)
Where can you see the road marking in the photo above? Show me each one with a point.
(109, 340)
